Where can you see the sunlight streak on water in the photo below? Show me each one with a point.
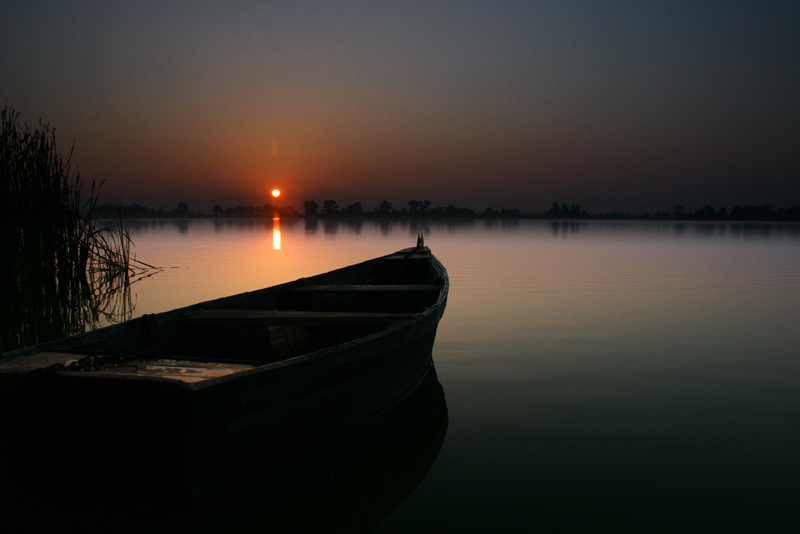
(276, 233)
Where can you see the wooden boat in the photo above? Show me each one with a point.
(247, 382)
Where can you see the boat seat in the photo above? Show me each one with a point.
(222, 317)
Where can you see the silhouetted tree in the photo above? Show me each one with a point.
(384, 208)
(286, 212)
(182, 210)
(268, 210)
(310, 207)
(330, 207)
(353, 209)
(553, 212)
(418, 206)
(454, 211)
(789, 214)
(706, 212)
(753, 213)
(217, 210)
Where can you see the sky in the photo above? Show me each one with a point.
(632, 106)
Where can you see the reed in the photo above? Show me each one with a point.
(62, 268)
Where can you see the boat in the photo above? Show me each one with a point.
(222, 389)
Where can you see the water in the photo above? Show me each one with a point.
(599, 376)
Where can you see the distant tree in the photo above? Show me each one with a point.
(418, 206)
(454, 211)
(330, 207)
(353, 209)
(489, 212)
(310, 207)
(554, 211)
(788, 214)
(286, 212)
(182, 210)
(131, 211)
(706, 212)
(753, 213)
(679, 213)
(217, 210)
(270, 211)
(384, 208)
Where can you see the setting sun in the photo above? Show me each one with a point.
(276, 193)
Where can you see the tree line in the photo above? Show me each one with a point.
(424, 208)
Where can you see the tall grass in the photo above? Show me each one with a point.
(61, 269)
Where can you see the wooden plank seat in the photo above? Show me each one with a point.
(365, 288)
(223, 317)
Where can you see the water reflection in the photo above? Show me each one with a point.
(347, 486)
(566, 228)
(393, 226)
(276, 233)
(387, 226)
(311, 225)
(331, 226)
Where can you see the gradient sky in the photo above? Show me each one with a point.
(614, 105)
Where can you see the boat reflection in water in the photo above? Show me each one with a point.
(347, 485)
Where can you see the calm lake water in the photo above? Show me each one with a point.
(598, 376)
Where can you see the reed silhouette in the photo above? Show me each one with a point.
(62, 268)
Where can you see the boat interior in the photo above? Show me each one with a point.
(314, 313)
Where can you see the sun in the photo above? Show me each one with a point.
(276, 193)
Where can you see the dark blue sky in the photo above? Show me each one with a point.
(632, 106)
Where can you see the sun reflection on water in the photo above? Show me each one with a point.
(276, 233)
